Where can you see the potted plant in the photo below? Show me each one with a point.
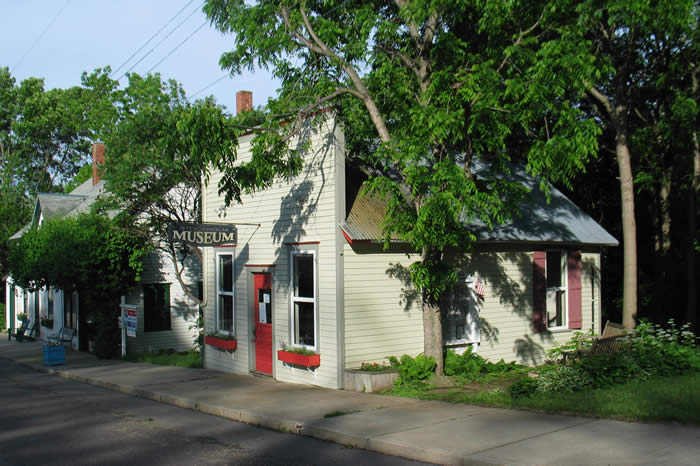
(54, 354)
(46, 322)
(299, 356)
(22, 317)
(221, 341)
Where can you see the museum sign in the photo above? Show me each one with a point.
(203, 234)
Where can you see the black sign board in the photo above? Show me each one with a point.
(203, 234)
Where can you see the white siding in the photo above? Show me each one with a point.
(158, 268)
(507, 307)
(379, 321)
(377, 324)
(301, 211)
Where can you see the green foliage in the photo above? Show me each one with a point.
(99, 257)
(413, 371)
(221, 336)
(523, 387)
(579, 340)
(298, 350)
(3, 319)
(651, 350)
(472, 366)
(563, 379)
(191, 359)
(87, 252)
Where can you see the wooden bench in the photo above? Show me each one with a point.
(607, 345)
(64, 335)
(610, 341)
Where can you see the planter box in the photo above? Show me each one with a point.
(306, 360)
(364, 381)
(54, 355)
(228, 345)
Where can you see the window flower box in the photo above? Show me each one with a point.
(305, 360)
(221, 343)
(54, 355)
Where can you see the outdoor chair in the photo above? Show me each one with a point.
(25, 331)
(65, 335)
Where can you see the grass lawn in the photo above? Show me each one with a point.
(658, 399)
(188, 359)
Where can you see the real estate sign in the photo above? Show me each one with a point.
(203, 234)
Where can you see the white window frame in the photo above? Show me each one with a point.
(219, 292)
(299, 299)
(564, 288)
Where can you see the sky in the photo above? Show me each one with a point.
(60, 39)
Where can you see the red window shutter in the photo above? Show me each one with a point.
(539, 292)
(574, 268)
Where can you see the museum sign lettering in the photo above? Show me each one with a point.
(203, 234)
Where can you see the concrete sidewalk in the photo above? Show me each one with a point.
(428, 431)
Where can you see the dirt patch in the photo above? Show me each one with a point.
(503, 383)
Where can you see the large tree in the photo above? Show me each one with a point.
(157, 144)
(424, 89)
(644, 54)
(43, 142)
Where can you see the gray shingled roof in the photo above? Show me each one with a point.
(55, 205)
(558, 222)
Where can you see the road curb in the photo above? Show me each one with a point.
(377, 445)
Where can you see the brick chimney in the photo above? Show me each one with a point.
(244, 101)
(98, 159)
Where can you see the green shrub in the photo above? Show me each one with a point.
(3, 322)
(579, 340)
(471, 366)
(413, 371)
(563, 379)
(523, 387)
(468, 364)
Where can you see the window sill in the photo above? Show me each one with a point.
(220, 343)
(560, 330)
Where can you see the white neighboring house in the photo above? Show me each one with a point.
(166, 316)
(309, 270)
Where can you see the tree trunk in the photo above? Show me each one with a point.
(629, 230)
(432, 333)
(693, 192)
(664, 240)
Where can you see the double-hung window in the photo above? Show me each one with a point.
(224, 292)
(303, 298)
(556, 279)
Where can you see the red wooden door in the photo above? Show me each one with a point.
(263, 322)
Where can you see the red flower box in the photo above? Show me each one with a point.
(306, 360)
(220, 343)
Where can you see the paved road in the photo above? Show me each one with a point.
(46, 419)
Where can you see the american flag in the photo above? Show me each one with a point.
(479, 288)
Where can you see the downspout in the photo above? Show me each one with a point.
(593, 298)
